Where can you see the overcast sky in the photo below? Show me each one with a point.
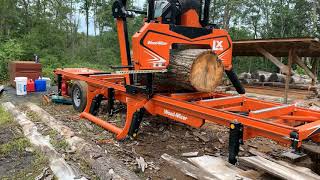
(82, 21)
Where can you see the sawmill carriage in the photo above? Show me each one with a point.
(170, 26)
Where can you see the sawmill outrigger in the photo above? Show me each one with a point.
(169, 25)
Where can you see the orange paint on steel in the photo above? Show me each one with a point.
(177, 107)
(102, 123)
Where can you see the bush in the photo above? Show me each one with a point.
(10, 50)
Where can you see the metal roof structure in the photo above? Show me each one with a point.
(304, 47)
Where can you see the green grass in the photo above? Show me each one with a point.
(36, 167)
(16, 145)
(5, 117)
(57, 143)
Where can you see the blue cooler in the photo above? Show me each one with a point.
(40, 85)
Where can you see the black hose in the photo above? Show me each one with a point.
(235, 81)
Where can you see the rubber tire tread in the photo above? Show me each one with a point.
(83, 93)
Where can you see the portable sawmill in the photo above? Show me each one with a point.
(169, 25)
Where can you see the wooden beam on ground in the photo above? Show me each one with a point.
(103, 164)
(298, 61)
(273, 59)
(61, 169)
(288, 78)
(279, 168)
(188, 168)
(218, 167)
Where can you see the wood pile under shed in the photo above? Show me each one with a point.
(296, 50)
(263, 78)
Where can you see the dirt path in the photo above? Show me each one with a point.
(279, 92)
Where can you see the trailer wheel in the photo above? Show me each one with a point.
(79, 95)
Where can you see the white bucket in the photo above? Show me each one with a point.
(48, 82)
(21, 85)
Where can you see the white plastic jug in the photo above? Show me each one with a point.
(21, 85)
(48, 82)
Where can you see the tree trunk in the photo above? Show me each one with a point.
(190, 70)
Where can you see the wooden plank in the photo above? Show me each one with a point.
(188, 169)
(298, 61)
(290, 60)
(314, 70)
(100, 162)
(277, 168)
(273, 59)
(217, 167)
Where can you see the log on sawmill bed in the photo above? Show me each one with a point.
(191, 69)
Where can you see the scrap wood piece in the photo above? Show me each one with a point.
(141, 164)
(217, 167)
(299, 168)
(1, 89)
(188, 169)
(103, 164)
(57, 164)
(277, 169)
(190, 154)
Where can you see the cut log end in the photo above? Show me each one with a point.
(190, 70)
(206, 72)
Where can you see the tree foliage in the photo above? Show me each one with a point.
(52, 29)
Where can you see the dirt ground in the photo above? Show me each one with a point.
(18, 159)
(157, 136)
(279, 92)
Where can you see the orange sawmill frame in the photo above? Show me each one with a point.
(259, 118)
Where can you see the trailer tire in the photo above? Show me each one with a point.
(79, 95)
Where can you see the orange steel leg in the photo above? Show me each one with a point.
(133, 105)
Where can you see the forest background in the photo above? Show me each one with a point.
(82, 33)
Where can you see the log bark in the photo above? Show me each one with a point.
(190, 70)
(103, 164)
(262, 76)
(61, 169)
(298, 79)
(244, 76)
(276, 77)
(282, 85)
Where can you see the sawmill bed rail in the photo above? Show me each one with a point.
(246, 117)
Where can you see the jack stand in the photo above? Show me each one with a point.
(136, 121)
(235, 140)
(294, 154)
(95, 105)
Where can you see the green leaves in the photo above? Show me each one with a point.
(10, 50)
